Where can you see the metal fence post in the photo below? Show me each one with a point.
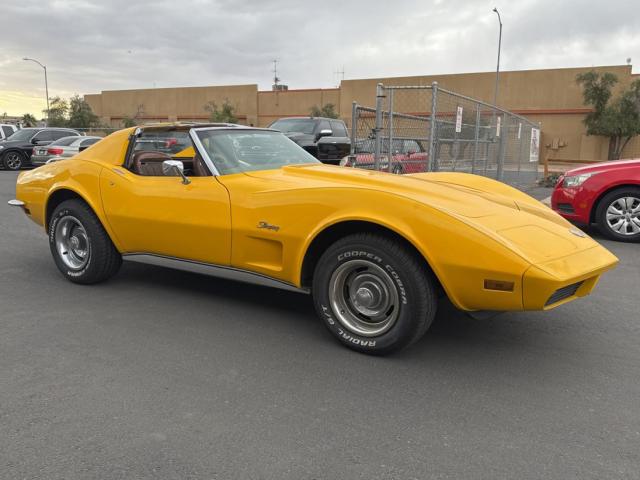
(354, 126)
(390, 120)
(378, 127)
(433, 164)
(476, 139)
(520, 154)
(354, 133)
(503, 147)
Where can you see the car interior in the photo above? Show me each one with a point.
(152, 148)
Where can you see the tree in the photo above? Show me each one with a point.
(58, 109)
(617, 118)
(224, 114)
(327, 110)
(80, 114)
(28, 120)
(128, 122)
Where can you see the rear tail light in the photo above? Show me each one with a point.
(54, 151)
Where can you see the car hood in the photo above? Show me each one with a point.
(468, 195)
(503, 213)
(604, 167)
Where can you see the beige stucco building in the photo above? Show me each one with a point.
(549, 97)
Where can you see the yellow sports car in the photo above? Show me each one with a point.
(375, 250)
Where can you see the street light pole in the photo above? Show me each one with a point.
(46, 83)
(495, 93)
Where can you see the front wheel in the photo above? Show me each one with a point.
(374, 294)
(13, 160)
(81, 248)
(618, 214)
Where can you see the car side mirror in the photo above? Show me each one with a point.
(175, 168)
(325, 133)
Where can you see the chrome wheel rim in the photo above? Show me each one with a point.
(364, 298)
(12, 161)
(623, 216)
(72, 243)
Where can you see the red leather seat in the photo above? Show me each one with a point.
(149, 164)
(199, 168)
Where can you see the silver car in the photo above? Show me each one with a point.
(63, 148)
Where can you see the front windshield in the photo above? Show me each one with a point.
(235, 151)
(294, 125)
(22, 135)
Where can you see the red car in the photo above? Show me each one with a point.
(607, 194)
(408, 157)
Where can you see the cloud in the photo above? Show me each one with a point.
(94, 45)
(18, 103)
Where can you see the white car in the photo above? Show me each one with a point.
(6, 130)
(65, 147)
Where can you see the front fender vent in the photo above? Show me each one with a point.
(562, 293)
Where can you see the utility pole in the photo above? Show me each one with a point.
(275, 75)
(46, 83)
(339, 75)
(495, 93)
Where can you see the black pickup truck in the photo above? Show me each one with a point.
(326, 139)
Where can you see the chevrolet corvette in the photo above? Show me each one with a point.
(376, 251)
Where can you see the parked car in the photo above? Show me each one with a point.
(324, 138)
(606, 194)
(65, 147)
(409, 156)
(375, 250)
(6, 130)
(16, 151)
(162, 142)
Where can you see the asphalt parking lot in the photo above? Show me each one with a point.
(164, 374)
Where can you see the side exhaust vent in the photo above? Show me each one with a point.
(562, 293)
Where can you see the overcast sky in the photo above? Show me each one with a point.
(94, 45)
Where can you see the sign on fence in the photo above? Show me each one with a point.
(534, 151)
(459, 119)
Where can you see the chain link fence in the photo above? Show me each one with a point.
(426, 128)
(632, 149)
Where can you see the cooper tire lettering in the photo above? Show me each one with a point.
(103, 259)
(401, 268)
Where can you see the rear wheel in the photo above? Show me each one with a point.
(81, 248)
(374, 295)
(13, 160)
(618, 214)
